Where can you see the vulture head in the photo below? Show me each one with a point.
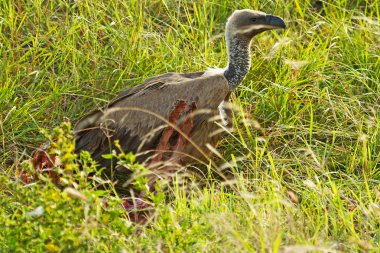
(248, 23)
(241, 27)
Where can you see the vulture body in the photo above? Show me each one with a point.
(172, 117)
(135, 119)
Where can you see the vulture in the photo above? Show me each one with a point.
(172, 118)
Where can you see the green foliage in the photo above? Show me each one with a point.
(41, 217)
(303, 157)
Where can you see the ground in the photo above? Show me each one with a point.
(302, 159)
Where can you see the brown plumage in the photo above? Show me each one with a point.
(171, 117)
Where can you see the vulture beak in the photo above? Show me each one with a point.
(275, 22)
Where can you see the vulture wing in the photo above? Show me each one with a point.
(135, 117)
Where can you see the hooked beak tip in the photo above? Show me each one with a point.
(275, 22)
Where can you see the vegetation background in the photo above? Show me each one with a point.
(304, 153)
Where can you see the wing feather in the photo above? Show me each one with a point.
(137, 116)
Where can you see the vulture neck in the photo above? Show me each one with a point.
(239, 60)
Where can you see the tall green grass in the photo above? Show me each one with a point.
(303, 156)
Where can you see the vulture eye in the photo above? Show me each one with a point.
(253, 19)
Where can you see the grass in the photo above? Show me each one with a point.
(304, 153)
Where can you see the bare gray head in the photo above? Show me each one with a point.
(241, 27)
